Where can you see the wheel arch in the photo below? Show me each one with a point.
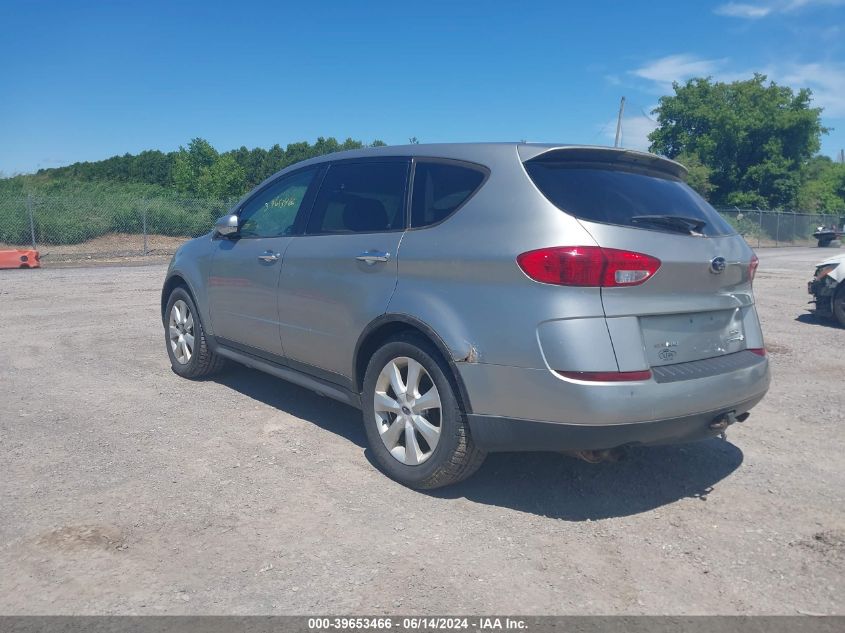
(389, 325)
(172, 282)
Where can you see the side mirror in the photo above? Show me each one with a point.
(226, 226)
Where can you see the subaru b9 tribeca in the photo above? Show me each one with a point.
(481, 297)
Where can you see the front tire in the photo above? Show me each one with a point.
(838, 304)
(413, 420)
(184, 335)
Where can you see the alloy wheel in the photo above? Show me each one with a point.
(408, 411)
(181, 332)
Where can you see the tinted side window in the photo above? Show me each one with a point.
(615, 195)
(360, 198)
(271, 212)
(439, 189)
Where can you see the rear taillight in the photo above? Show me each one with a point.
(607, 376)
(587, 266)
(760, 351)
(752, 267)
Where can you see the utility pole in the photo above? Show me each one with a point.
(619, 122)
(842, 156)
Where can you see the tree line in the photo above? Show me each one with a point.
(748, 143)
(199, 170)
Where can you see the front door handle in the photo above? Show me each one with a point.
(371, 257)
(269, 257)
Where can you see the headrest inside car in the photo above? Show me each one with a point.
(365, 214)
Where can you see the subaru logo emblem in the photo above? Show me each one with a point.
(718, 265)
(666, 354)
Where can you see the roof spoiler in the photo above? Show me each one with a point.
(603, 155)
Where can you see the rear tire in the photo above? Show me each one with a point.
(184, 336)
(440, 450)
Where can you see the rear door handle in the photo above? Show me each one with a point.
(371, 257)
(269, 257)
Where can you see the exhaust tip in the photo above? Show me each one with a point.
(721, 422)
(605, 455)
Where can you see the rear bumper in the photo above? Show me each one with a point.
(494, 433)
(534, 409)
(542, 395)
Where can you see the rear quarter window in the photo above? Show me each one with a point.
(611, 194)
(440, 188)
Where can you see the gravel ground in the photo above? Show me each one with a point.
(128, 490)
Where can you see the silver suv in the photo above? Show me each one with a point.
(481, 297)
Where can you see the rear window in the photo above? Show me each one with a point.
(617, 195)
(439, 189)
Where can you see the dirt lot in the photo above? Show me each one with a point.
(128, 490)
(114, 248)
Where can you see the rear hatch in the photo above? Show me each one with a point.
(698, 304)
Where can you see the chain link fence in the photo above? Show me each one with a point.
(66, 227)
(779, 228)
(87, 226)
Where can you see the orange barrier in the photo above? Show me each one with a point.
(20, 259)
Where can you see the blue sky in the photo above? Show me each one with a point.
(86, 80)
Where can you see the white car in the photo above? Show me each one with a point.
(828, 288)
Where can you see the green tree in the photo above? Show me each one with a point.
(823, 188)
(190, 164)
(754, 136)
(222, 180)
(698, 176)
(350, 143)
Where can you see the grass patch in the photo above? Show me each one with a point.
(67, 212)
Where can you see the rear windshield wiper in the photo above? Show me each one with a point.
(678, 223)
